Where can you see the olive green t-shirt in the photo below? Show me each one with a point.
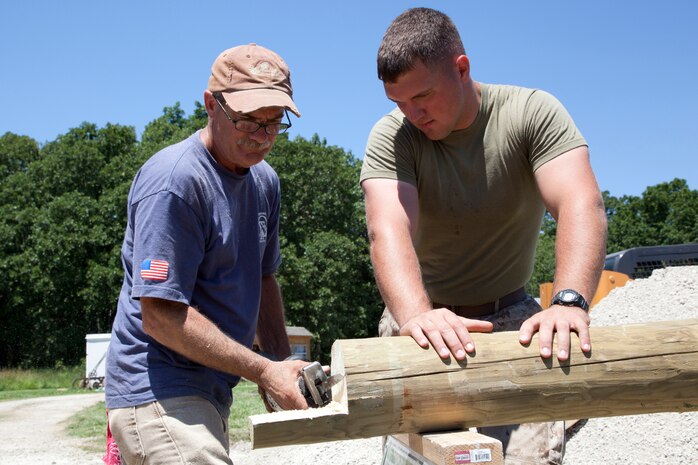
(480, 210)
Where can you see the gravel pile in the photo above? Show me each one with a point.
(660, 438)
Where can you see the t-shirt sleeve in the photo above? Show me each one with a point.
(168, 247)
(390, 151)
(549, 128)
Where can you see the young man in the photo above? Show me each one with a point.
(200, 251)
(456, 180)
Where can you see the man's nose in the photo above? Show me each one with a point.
(412, 111)
(260, 135)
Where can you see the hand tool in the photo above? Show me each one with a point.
(315, 386)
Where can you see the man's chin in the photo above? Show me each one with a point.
(256, 157)
(433, 132)
(435, 135)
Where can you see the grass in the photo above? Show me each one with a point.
(30, 393)
(15, 379)
(247, 402)
(17, 383)
(90, 424)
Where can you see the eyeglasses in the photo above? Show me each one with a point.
(251, 126)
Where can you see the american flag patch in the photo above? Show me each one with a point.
(154, 270)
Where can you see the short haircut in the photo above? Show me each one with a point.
(417, 34)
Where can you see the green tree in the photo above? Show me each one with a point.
(63, 215)
(171, 127)
(56, 234)
(17, 212)
(64, 238)
(16, 153)
(326, 274)
(665, 214)
(544, 264)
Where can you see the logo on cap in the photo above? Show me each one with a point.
(264, 67)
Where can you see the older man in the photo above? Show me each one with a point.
(200, 251)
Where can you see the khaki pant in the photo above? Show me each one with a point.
(181, 430)
(528, 443)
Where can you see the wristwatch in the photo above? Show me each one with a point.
(570, 298)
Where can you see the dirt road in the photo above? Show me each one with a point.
(32, 431)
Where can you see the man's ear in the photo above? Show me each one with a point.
(209, 102)
(463, 65)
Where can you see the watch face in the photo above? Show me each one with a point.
(570, 297)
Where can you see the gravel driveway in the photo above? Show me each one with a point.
(32, 431)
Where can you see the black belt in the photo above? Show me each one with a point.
(487, 308)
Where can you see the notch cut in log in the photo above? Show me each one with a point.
(391, 385)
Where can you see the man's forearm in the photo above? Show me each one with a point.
(189, 333)
(392, 216)
(580, 248)
(398, 275)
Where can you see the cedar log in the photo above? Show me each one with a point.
(391, 385)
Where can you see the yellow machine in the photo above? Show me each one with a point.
(609, 281)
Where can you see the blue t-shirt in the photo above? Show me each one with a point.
(202, 235)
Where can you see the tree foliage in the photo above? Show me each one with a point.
(16, 153)
(326, 274)
(664, 214)
(63, 215)
(544, 265)
(55, 232)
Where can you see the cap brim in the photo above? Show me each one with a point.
(247, 101)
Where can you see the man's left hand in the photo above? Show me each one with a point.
(561, 320)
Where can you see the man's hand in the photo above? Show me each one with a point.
(447, 332)
(561, 320)
(280, 380)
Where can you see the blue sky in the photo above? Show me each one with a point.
(627, 71)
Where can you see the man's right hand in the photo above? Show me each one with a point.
(447, 332)
(280, 381)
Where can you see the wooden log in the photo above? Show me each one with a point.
(391, 385)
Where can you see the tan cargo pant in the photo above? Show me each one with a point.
(181, 430)
(528, 443)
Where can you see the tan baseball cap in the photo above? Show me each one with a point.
(251, 77)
